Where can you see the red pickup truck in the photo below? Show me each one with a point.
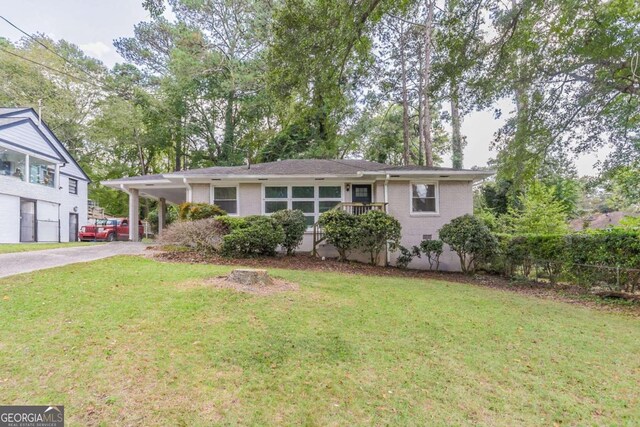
(108, 230)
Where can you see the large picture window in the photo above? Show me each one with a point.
(424, 198)
(226, 198)
(42, 172)
(312, 200)
(12, 163)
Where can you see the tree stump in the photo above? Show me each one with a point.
(251, 278)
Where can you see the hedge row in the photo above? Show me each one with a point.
(598, 258)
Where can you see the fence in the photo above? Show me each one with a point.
(613, 278)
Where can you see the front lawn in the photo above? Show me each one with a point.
(6, 248)
(130, 341)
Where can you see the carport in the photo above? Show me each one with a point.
(158, 187)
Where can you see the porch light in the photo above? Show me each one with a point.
(347, 187)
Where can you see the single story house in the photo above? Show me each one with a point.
(423, 199)
(43, 190)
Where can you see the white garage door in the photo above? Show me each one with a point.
(9, 219)
(48, 221)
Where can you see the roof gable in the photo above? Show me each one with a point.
(71, 167)
(23, 133)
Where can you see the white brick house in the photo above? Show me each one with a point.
(423, 199)
(43, 190)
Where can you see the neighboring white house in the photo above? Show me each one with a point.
(423, 199)
(43, 191)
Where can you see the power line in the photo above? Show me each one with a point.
(55, 70)
(32, 37)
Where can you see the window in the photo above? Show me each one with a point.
(310, 199)
(226, 198)
(41, 172)
(330, 196)
(73, 186)
(424, 198)
(12, 163)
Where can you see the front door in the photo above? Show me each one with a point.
(73, 227)
(361, 193)
(27, 220)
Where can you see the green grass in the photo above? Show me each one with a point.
(6, 248)
(129, 341)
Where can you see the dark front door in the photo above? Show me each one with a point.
(361, 193)
(73, 227)
(27, 221)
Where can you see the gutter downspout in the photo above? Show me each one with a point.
(386, 210)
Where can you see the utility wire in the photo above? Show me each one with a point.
(35, 39)
(55, 70)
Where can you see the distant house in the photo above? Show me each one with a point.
(599, 221)
(43, 191)
(423, 199)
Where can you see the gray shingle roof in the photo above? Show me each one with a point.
(295, 167)
(292, 167)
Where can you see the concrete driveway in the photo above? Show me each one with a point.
(24, 262)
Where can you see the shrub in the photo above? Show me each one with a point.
(594, 258)
(203, 235)
(256, 235)
(294, 226)
(193, 211)
(233, 222)
(432, 249)
(406, 256)
(376, 229)
(341, 230)
(470, 238)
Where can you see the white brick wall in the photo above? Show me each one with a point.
(12, 189)
(455, 199)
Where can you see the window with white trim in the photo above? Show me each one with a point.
(312, 200)
(424, 197)
(226, 198)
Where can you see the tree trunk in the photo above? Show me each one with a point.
(427, 141)
(229, 129)
(456, 133)
(178, 147)
(406, 155)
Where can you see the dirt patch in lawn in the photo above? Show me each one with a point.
(304, 261)
(222, 282)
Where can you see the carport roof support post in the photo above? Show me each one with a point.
(134, 214)
(162, 212)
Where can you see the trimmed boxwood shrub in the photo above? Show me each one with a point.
(193, 211)
(294, 226)
(341, 230)
(375, 230)
(406, 256)
(252, 236)
(471, 239)
(432, 250)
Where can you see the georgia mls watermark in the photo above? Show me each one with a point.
(31, 416)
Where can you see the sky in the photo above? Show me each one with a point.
(93, 25)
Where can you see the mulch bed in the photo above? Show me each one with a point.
(304, 261)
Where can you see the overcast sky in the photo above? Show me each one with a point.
(94, 24)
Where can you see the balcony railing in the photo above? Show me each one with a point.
(357, 208)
